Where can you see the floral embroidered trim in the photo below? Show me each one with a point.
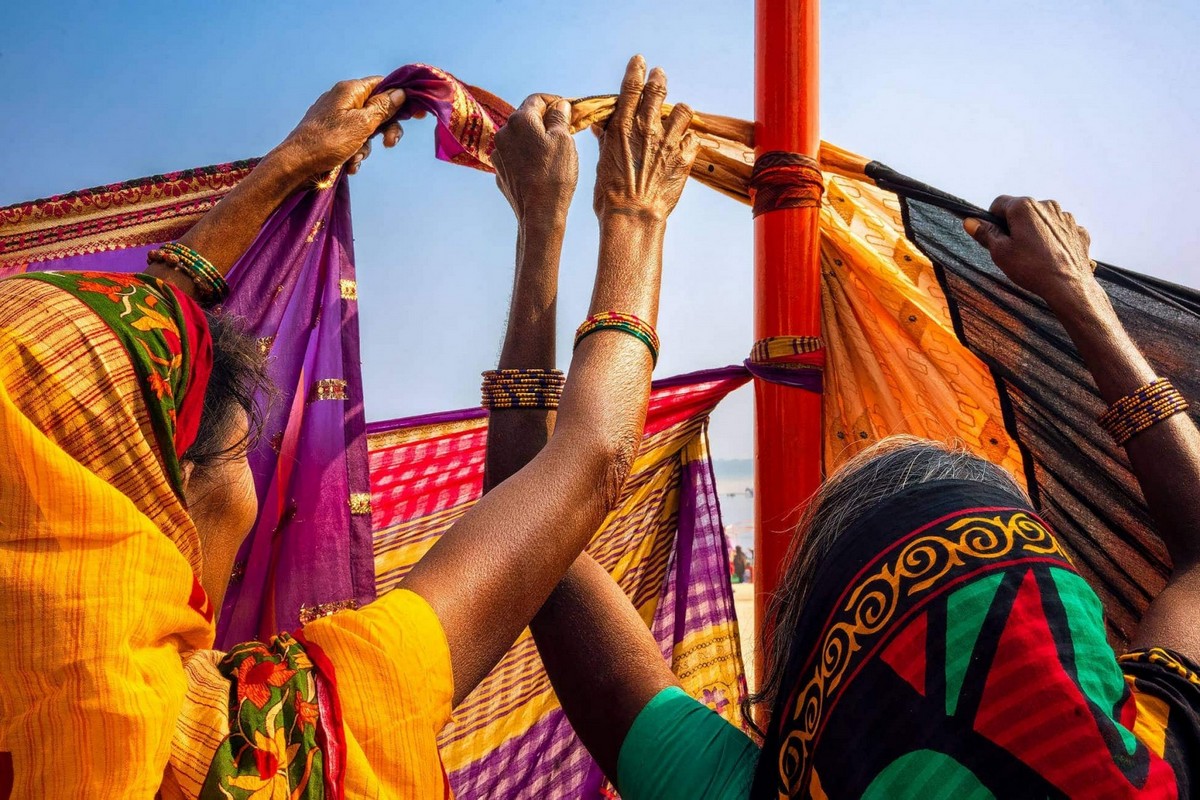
(309, 613)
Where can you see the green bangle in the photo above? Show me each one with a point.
(623, 327)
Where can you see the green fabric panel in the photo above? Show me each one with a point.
(1096, 666)
(966, 610)
(926, 774)
(680, 749)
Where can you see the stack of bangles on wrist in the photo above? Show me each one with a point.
(211, 287)
(522, 388)
(1141, 409)
(625, 323)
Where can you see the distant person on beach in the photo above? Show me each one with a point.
(739, 565)
(931, 638)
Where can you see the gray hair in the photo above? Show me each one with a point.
(885, 469)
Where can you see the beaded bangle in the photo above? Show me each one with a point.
(1142, 408)
(522, 388)
(211, 287)
(626, 323)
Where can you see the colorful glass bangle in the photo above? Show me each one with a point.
(625, 323)
(522, 388)
(1141, 409)
(210, 285)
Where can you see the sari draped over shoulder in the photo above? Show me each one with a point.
(98, 557)
(108, 683)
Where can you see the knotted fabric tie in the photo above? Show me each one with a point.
(785, 180)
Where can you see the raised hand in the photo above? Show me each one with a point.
(536, 163)
(644, 163)
(338, 127)
(1045, 250)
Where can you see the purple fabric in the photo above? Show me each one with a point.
(306, 547)
(807, 379)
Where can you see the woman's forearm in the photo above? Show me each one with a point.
(515, 436)
(490, 573)
(227, 231)
(336, 128)
(1166, 457)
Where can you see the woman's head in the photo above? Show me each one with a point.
(218, 487)
(873, 476)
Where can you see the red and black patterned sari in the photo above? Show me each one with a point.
(951, 650)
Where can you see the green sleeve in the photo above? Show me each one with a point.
(680, 748)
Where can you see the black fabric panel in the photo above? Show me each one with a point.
(1080, 479)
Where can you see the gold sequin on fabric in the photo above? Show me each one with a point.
(264, 344)
(329, 179)
(360, 503)
(330, 389)
(349, 289)
(309, 613)
(312, 235)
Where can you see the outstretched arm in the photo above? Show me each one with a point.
(1047, 254)
(600, 656)
(335, 131)
(478, 578)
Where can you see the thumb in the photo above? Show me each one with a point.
(983, 232)
(385, 105)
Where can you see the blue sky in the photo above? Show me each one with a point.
(1094, 103)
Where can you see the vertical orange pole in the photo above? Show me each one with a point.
(787, 285)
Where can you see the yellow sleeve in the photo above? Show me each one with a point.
(394, 682)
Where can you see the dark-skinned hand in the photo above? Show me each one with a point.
(1045, 251)
(536, 163)
(644, 162)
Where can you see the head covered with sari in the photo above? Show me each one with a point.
(107, 683)
(102, 382)
(934, 640)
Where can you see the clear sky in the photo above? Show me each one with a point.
(1095, 103)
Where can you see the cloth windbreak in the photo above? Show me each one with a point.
(664, 545)
(950, 649)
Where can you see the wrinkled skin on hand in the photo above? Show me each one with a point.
(536, 163)
(1045, 251)
(644, 162)
(338, 127)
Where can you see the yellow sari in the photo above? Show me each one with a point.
(108, 687)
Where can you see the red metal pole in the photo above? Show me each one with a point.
(787, 285)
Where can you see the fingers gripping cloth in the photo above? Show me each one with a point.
(785, 180)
